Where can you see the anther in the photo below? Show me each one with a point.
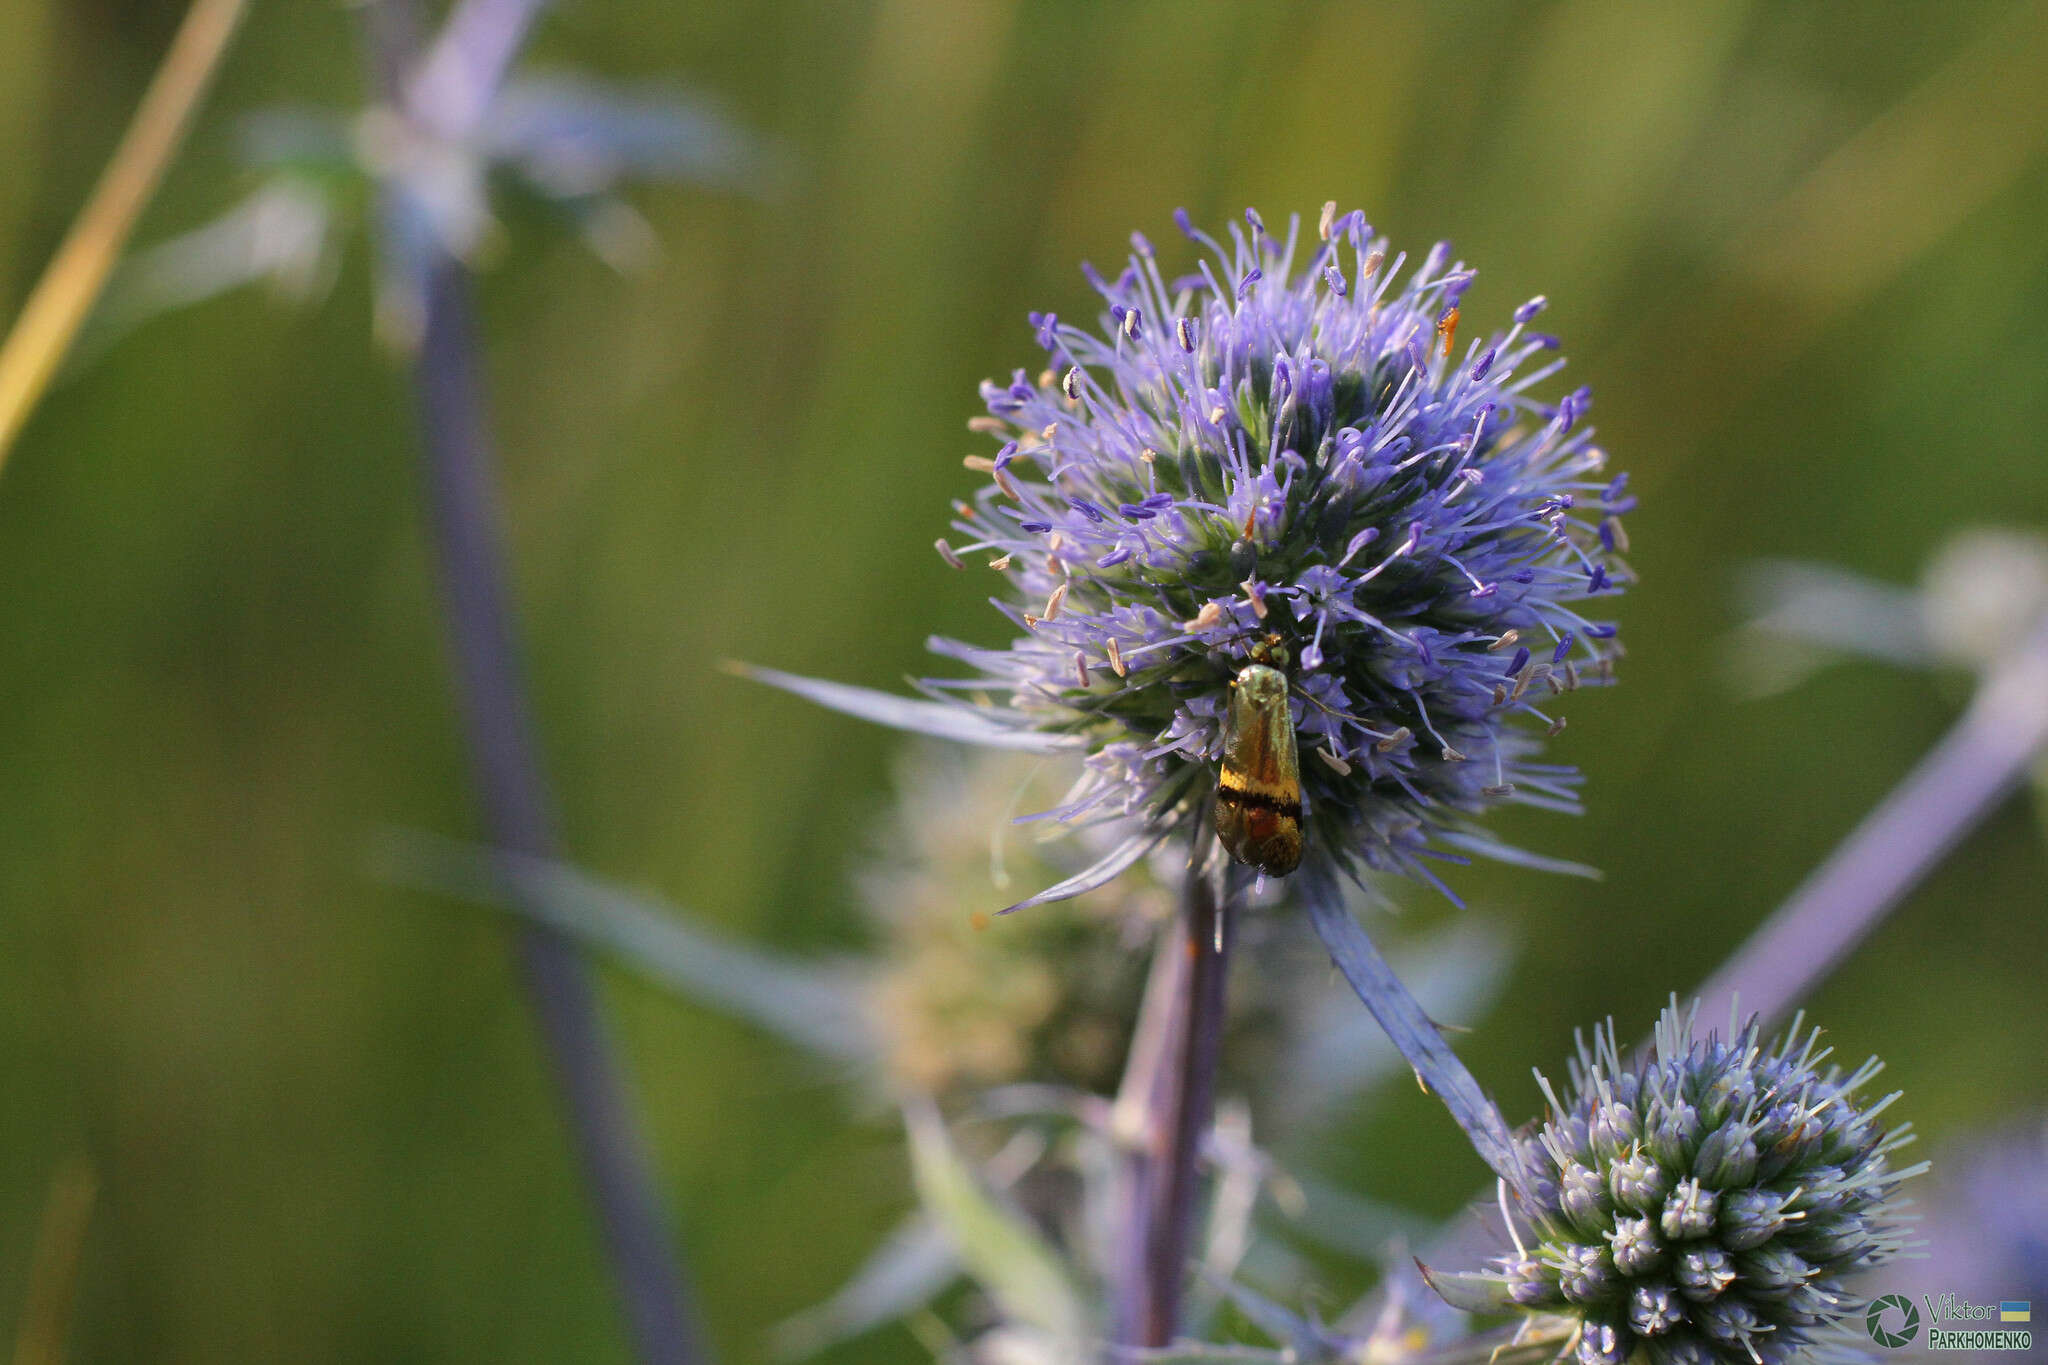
(1132, 326)
(987, 426)
(1002, 481)
(1374, 262)
(1116, 659)
(1400, 736)
(1447, 328)
(1148, 455)
(1208, 618)
(980, 464)
(1071, 384)
(1506, 639)
(1000, 564)
(1184, 333)
(1337, 765)
(1081, 667)
(1054, 602)
(1557, 727)
(1500, 695)
(946, 553)
(1216, 415)
(1256, 595)
(1046, 378)
(1452, 755)
(1051, 430)
(1327, 221)
(1498, 789)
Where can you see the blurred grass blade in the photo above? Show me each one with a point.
(815, 1008)
(907, 1271)
(53, 1273)
(72, 281)
(1003, 1253)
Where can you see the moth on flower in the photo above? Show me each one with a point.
(1258, 795)
(1299, 448)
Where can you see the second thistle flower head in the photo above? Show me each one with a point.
(1287, 456)
(1701, 1206)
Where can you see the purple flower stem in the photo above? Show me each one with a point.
(509, 781)
(462, 509)
(1960, 781)
(1144, 1096)
(1207, 927)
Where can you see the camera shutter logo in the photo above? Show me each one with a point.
(1908, 1328)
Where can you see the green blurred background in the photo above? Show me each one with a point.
(1796, 249)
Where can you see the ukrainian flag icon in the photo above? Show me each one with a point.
(2016, 1310)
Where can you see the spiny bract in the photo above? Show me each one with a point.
(1295, 447)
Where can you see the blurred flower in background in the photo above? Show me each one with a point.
(1982, 593)
(567, 143)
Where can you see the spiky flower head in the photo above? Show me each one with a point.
(1291, 443)
(1703, 1204)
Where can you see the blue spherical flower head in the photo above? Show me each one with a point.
(1703, 1204)
(1288, 456)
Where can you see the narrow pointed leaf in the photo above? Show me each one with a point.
(1277, 1321)
(1517, 857)
(1413, 1033)
(1106, 869)
(1002, 1251)
(907, 1271)
(815, 1008)
(1467, 1292)
(575, 136)
(1455, 975)
(986, 726)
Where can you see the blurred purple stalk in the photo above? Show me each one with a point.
(1146, 1092)
(1960, 781)
(462, 501)
(1166, 1104)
